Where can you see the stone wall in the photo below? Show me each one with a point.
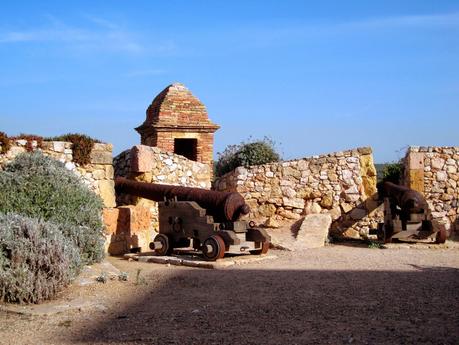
(98, 175)
(342, 184)
(151, 164)
(135, 222)
(434, 171)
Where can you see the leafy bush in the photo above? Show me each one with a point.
(393, 172)
(36, 259)
(41, 187)
(4, 142)
(82, 146)
(246, 154)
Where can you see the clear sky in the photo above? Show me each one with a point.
(315, 76)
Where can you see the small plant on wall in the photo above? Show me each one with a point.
(5, 143)
(82, 146)
(253, 152)
(393, 172)
(29, 138)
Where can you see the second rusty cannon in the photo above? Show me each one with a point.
(406, 215)
(209, 221)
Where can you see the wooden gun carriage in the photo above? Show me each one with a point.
(208, 221)
(406, 216)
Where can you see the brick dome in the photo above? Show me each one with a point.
(176, 105)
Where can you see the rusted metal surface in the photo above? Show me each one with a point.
(406, 216)
(198, 219)
(223, 206)
(214, 248)
(409, 200)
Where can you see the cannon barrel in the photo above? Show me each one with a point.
(409, 200)
(223, 206)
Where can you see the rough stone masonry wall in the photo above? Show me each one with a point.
(135, 222)
(342, 184)
(151, 164)
(434, 171)
(98, 175)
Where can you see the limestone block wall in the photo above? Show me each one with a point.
(149, 164)
(342, 184)
(98, 175)
(154, 165)
(434, 171)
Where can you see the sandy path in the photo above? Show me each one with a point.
(333, 295)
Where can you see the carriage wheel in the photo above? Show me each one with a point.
(264, 249)
(213, 248)
(166, 247)
(441, 236)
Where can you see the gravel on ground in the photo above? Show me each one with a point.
(338, 294)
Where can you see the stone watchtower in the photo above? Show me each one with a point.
(178, 122)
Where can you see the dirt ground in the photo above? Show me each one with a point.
(334, 295)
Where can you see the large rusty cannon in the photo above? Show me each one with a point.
(406, 215)
(207, 220)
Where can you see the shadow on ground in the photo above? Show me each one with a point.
(288, 307)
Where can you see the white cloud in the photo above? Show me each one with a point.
(445, 20)
(105, 36)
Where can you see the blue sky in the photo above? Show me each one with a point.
(315, 76)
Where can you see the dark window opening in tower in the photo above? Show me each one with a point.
(186, 148)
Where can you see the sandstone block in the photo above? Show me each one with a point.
(107, 192)
(327, 201)
(266, 210)
(271, 222)
(109, 172)
(416, 160)
(293, 202)
(98, 174)
(451, 169)
(351, 234)
(441, 176)
(110, 219)
(315, 208)
(438, 163)
(103, 147)
(101, 157)
(288, 214)
(288, 192)
(346, 207)
(313, 231)
(365, 150)
(335, 213)
(142, 158)
(128, 227)
(58, 146)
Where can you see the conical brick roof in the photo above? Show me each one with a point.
(177, 107)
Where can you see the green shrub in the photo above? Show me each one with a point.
(41, 187)
(4, 143)
(82, 146)
(36, 259)
(393, 172)
(246, 154)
